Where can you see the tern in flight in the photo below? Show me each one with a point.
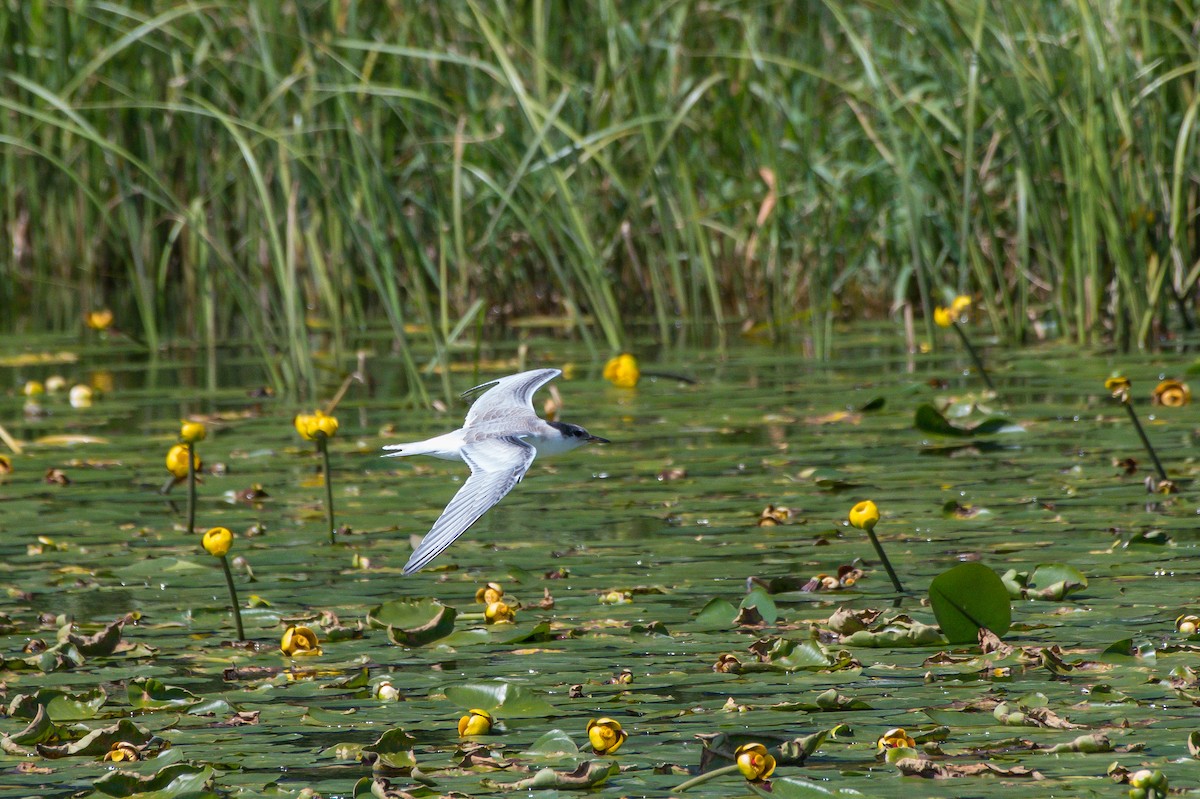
(499, 440)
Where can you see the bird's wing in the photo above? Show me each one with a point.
(507, 394)
(497, 464)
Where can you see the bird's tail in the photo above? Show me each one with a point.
(444, 446)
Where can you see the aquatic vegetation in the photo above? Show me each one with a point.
(605, 735)
(1122, 391)
(475, 722)
(622, 371)
(864, 516)
(319, 427)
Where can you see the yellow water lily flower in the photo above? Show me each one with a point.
(177, 461)
(605, 735)
(122, 752)
(622, 371)
(476, 722)
(1119, 385)
(299, 640)
(895, 739)
(960, 304)
(218, 541)
(754, 762)
(499, 613)
(80, 396)
(33, 388)
(864, 515)
(317, 423)
(191, 432)
(942, 317)
(1172, 393)
(1187, 624)
(99, 320)
(55, 383)
(492, 592)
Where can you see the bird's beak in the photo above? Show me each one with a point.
(597, 440)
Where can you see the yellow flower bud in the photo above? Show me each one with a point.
(1119, 385)
(326, 425)
(1187, 624)
(961, 303)
(605, 735)
(622, 371)
(299, 641)
(80, 396)
(942, 317)
(895, 739)
(864, 515)
(306, 426)
(476, 722)
(99, 320)
(33, 388)
(218, 541)
(499, 613)
(177, 463)
(492, 592)
(754, 762)
(191, 432)
(1172, 393)
(55, 383)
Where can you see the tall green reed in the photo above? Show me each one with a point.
(291, 175)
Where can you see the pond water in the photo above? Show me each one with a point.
(612, 553)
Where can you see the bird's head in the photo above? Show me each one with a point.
(576, 434)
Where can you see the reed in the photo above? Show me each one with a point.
(291, 174)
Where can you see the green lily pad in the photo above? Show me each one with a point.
(413, 622)
(151, 694)
(60, 705)
(504, 699)
(928, 419)
(391, 751)
(799, 788)
(554, 743)
(178, 779)
(969, 597)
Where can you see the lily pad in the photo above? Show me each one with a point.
(928, 419)
(413, 622)
(151, 694)
(967, 598)
(178, 779)
(502, 698)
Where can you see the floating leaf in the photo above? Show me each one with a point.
(177, 779)
(101, 644)
(967, 598)
(149, 693)
(413, 622)
(392, 751)
(1050, 581)
(897, 632)
(97, 742)
(588, 774)
(757, 608)
(60, 705)
(799, 788)
(928, 419)
(717, 615)
(502, 698)
(554, 743)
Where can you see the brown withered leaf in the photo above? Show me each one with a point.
(929, 769)
(241, 718)
(989, 642)
(57, 477)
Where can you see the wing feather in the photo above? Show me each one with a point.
(507, 394)
(497, 464)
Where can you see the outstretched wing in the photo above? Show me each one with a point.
(497, 464)
(507, 394)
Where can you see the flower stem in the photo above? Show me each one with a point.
(974, 356)
(237, 611)
(706, 776)
(1137, 425)
(191, 480)
(887, 564)
(323, 446)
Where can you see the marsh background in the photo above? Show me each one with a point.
(264, 171)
